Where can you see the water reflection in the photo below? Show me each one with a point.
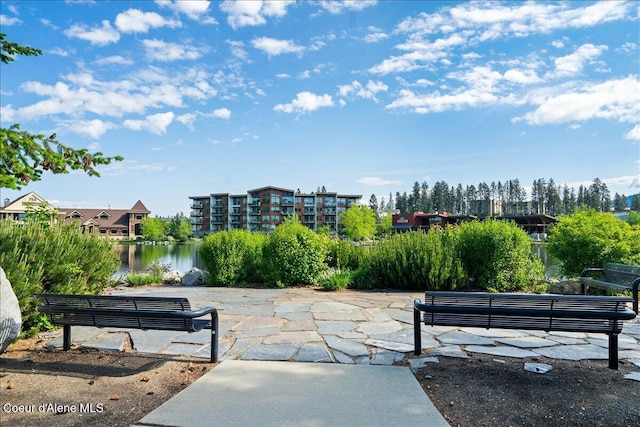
(551, 265)
(136, 258)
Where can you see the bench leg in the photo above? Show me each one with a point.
(214, 337)
(66, 337)
(613, 351)
(417, 337)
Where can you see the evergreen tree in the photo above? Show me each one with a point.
(373, 203)
(619, 202)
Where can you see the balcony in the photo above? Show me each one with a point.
(196, 206)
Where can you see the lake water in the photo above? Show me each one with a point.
(135, 258)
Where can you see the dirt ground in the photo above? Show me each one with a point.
(84, 387)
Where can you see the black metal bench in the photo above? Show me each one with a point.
(134, 312)
(569, 313)
(618, 277)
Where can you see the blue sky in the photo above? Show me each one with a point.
(361, 97)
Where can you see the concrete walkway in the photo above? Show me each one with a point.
(281, 326)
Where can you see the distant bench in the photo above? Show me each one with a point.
(133, 312)
(569, 313)
(618, 277)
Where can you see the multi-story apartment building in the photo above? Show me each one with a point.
(262, 209)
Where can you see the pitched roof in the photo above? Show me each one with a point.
(140, 207)
(119, 218)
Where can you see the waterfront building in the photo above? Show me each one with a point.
(112, 223)
(263, 209)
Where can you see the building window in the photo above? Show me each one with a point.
(275, 208)
(139, 217)
(275, 199)
(114, 231)
(103, 231)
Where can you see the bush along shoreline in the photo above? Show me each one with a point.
(488, 255)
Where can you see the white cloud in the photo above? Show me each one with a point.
(376, 181)
(120, 168)
(222, 113)
(358, 90)
(9, 20)
(114, 60)
(274, 47)
(633, 134)
(283, 76)
(137, 21)
(253, 13)
(573, 64)
(81, 93)
(237, 49)
(187, 119)
(524, 77)
(58, 51)
(155, 123)
(422, 54)
(196, 10)
(493, 20)
(375, 35)
(305, 102)
(470, 24)
(336, 7)
(159, 50)
(100, 36)
(613, 100)
(559, 44)
(91, 128)
(628, 47)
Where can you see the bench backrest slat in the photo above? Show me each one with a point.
(117, 303)
(526, 311)
(620, 273)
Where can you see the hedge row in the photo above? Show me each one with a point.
(492, 255)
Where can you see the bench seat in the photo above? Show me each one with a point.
(130, 312)
(567, 313)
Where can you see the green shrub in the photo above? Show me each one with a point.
(415, 260)
(344, 254)
(143, 279)
(294, 255)
(496, 256)
(336, 281)
(56, 258)
(232, 257)
(591, 239)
